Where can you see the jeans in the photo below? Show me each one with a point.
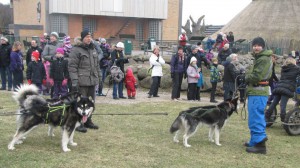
(118, 89)
(59, 90)
(103, 76)
(283, 102)
(154, 86)
(6, 74)
(17, 79)
(256, 118)
(176, 86)
(192, 91)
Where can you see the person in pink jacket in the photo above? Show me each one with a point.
(192, 79)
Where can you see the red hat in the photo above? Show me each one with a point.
(35, 54)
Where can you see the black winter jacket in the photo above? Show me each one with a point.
(118, 57)
(5, 50)
(59, 70)
(230, 72)
(287, 83)
(36, 72)
(223, 54)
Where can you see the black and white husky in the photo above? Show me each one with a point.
(213, 116)
(67, 112)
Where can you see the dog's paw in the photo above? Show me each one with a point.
(19, 142)
(187, 145)
(10, 147)
(66, 150)
(73, 143)
(218, 144)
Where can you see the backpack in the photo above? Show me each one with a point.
(116, 74)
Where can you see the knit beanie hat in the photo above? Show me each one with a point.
(84, 33)
(60, 50)
(67, 40)
(54, 34)
(259, 41)
(4, 38)
(35, 54)
(193, 59)
(193, 47)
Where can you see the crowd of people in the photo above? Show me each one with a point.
(58, 68)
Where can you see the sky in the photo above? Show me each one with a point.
(217, 12)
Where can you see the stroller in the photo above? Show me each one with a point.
(291, 122)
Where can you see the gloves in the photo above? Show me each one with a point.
(172, 75)
(197, 76)
(64, 82)
(51, 82)
(44, 82)
(29, 81)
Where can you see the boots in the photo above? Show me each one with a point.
(81, 128)
(90, 124)
(282, 117)
(259, 148)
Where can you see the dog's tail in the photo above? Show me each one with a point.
(23, 91)
(176, 124)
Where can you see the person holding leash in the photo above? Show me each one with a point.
(83, 69)
(257, 92)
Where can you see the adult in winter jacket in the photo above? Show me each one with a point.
(83, 66)
(224, 53)
(285, 88)
(258, 91)
(16, 64)
(34, 46)
(104, 64)
(117, 57)
(230, 38)
(178, 66)
(182, 40)
(5, 49)
(50, 48)
(230, 73)
(156, 62)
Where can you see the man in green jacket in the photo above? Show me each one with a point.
(257, 92)
(83, 69)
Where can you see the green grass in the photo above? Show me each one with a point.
(143, 141)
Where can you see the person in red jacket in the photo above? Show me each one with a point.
(182, 40)
(130, 83)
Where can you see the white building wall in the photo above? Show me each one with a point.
(156, 9)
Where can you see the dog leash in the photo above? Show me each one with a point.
(112, 114)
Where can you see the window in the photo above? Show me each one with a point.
(154, 29)
(89, 24)
(59, 23)
(139, 30)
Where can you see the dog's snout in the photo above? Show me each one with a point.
(84, 113)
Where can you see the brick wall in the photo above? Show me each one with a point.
(170, 25)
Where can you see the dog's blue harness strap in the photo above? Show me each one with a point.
(54, 109)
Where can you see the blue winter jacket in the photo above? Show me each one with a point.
(16, 61)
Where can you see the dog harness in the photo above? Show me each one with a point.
(54, 109)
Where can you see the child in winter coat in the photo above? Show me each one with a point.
(130, 84)
(193, 76)
(36, 73)
(214, 79)
(59, 73)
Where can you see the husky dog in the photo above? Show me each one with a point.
(213, 116)
(66, 112)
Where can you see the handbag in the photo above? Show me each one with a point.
(150, 70)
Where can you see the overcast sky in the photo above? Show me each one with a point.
(217, 12)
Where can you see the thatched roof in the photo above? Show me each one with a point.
(275, 20)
